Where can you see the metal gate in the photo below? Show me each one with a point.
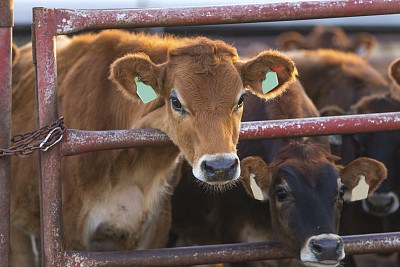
(51, 22)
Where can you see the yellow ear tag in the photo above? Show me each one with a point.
(270, 81)
(144, 91)
(361, 190)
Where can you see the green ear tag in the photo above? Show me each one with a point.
(144, 91)
(270, 82)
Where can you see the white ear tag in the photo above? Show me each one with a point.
(257, 193)
(270, 81)
(144, 91)
(361, 190)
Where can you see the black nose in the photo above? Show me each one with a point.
(219, 170)
(380, 204)
(326, 249)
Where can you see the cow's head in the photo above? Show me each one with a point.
(306, 191)
(382, 146)
(202, 84)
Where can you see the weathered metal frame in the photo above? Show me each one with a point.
(51, 22)
(6, 24)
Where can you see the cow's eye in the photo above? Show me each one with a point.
(176, 104)
(281, 193)
(240, 102)
(342, 191)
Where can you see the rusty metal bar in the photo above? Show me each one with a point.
(76, 142)
(6, 13)
(356, 244)
(5, 137)
(49, 162)
(69, 21)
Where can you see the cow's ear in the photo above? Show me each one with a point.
(15, 54)
(364, 44)
(268, 74)
(136, 76)
(372, 170)
(394, 74)
(255, 177)
(332, 110)
(291, 41)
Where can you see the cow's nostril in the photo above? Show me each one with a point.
(315, 247)
(326, 249)
(339, 246)
(390, 203)
(207, 168)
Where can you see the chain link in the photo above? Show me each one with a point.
(44, 138)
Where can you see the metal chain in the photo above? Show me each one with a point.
(44, 138)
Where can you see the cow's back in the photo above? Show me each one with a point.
(334, 78)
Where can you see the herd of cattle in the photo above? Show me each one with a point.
(211, 188)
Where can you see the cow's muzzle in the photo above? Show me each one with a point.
(323, 250)
(217, 169)
(381, 204)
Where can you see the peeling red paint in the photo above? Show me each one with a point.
(5, 137)
(50, 183)
(69, 21)
(76, 142)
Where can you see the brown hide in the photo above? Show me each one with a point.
(336, 78)
(120, 199)
(328, 37)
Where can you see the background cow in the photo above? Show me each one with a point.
(329, 37)
(334, 78)
(120, 199)
(380, 211)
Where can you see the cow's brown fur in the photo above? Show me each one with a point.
(328, 37)
(336, 78)
(119, 199)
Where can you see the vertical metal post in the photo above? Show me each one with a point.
(49, 162)
(6, 22)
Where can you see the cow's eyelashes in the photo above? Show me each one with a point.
(240, 102)
(281, 193)
(176, 104)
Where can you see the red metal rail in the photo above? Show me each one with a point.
(51, 22)
(356, 244)
(6, 23)
(69, 21)
(76, 142)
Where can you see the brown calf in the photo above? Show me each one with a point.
(119, 199)
(305, 190)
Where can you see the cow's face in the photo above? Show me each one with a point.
(385, 147)
(306, 191)
(203, 86)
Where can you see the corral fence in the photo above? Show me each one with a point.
(49, 23)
